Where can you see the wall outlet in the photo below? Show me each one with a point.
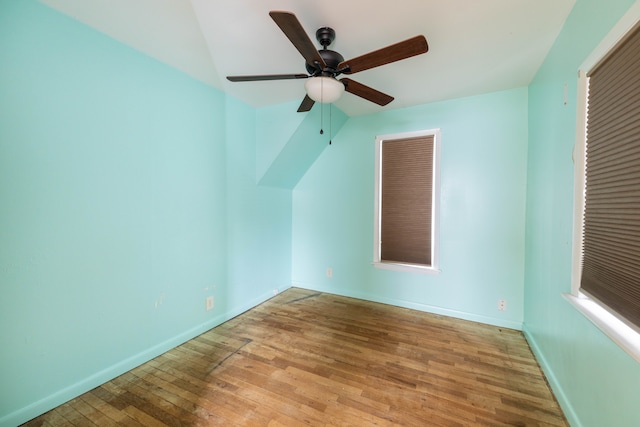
(329, 272)
(502, 305)
(209, 303)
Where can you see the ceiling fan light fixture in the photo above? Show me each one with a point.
(324, 89)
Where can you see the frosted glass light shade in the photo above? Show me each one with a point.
(324, 89)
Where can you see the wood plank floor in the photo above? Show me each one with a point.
(305, 358)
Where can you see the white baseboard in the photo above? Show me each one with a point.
(416, 306)
(558, 391)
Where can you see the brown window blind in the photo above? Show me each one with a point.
(611, 229)
(406, 205)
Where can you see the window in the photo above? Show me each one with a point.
(606, 271)
(406, 201)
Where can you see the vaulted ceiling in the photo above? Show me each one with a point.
(475, 46)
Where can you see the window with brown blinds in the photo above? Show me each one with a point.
(611, 223)
(406, 201)
(407, 181)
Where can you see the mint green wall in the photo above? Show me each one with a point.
(596, 382)
(484, 146)
(276, 124)
(127, 196)
(258, 218)
(292, 151)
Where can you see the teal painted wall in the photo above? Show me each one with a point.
(276, 124)
(127, 196)
(595, 381)
(291, 160)
(483, 175)
(258, 218)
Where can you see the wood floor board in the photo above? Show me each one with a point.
(55, 419)
(276, 403)
(116, 417)
(71, 414)
(306, 358)
(89, 412)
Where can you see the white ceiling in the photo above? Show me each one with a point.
(475, 46)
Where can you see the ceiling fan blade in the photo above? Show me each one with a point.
(266, 77)
(306, 105)
(366, 92)
(292, 28)
(396, 52)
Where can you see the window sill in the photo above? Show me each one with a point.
(619, 332)
(411, 268)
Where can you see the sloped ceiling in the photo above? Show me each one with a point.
(475, 46)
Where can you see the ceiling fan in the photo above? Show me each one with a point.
(323, 66)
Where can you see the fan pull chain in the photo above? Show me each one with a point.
(322, 113)
(321, 106)
(330, 129)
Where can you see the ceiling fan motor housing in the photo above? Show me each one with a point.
(331, 59)
(325, 37)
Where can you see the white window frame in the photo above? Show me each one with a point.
(621, 333)
(435, 205)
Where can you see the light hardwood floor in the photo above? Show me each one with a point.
(307, 358)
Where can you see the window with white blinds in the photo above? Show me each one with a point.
(406, 201)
